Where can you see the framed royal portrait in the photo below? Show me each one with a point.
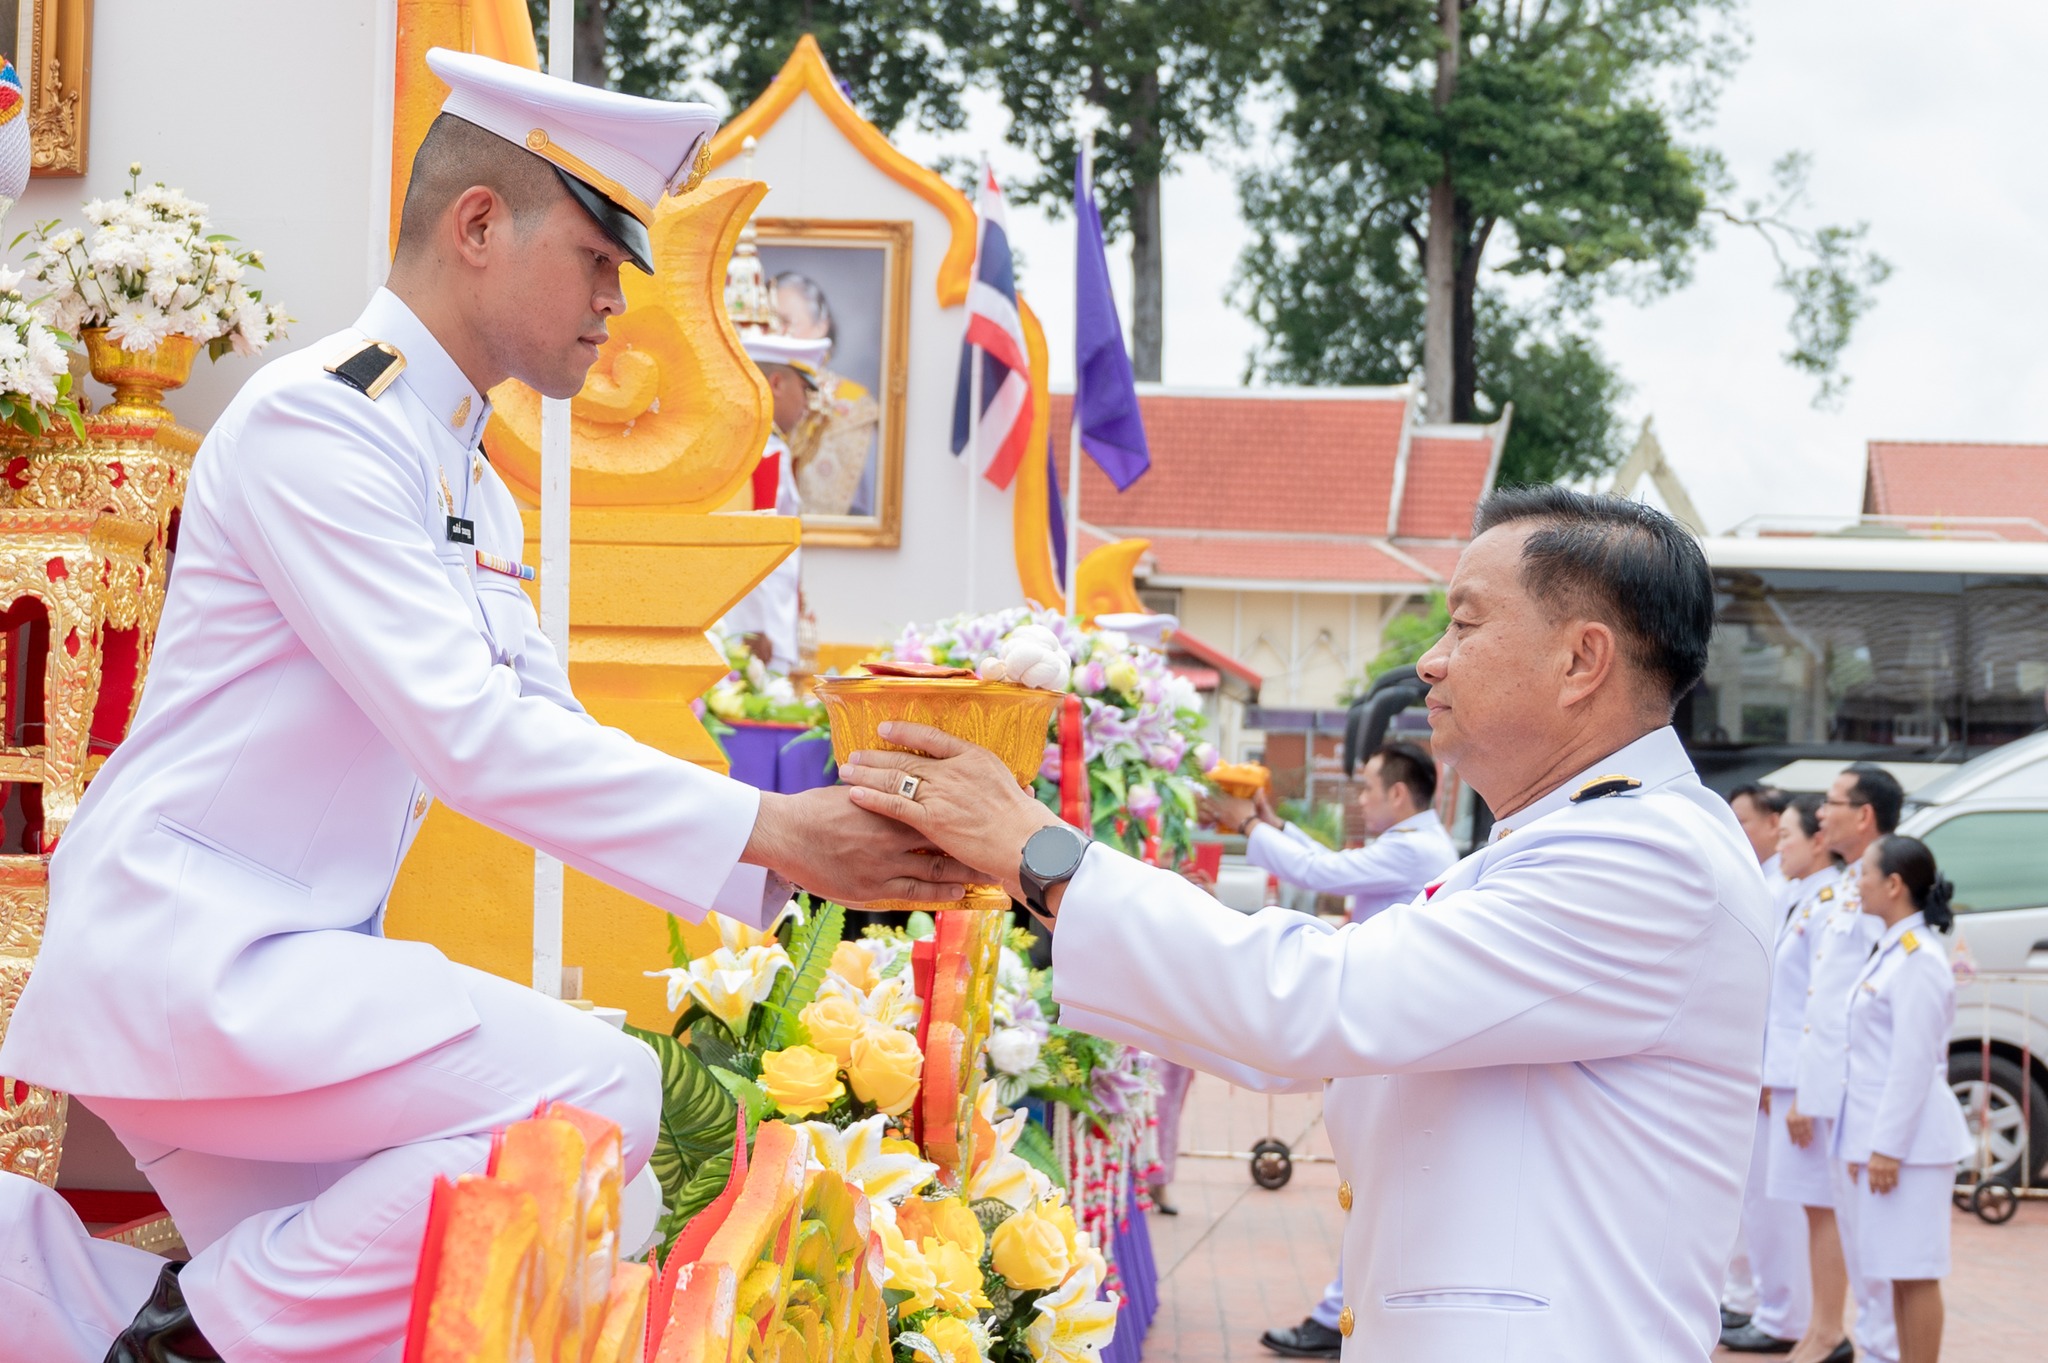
(847, 282)
(50, 44)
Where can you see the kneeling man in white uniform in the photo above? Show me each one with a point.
(346, 639)
(1542, 1072)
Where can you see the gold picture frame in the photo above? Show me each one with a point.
(50, 42)
(849, 451)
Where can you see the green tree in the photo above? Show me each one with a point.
(1164, 75)
(891, 55)
(1550, 132)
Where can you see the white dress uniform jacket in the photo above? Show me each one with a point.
(775, 606)
(1842, 942)
(1529, 1067)
(1791, 970)
(1897, 1100)
(1385, 871)
(330, 655)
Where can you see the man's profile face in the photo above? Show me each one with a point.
(1494, 675)
(791, 394)
(1759, 825)
(1841, 818)
(549, 293)
(1382, 805)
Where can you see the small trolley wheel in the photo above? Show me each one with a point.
(1995, 1201)
(1965, 1196)
(1272, 1164)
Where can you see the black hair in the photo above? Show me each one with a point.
(1806, 806)
(1878, 788)
(456, 155)
(1404, 764)
(1767, 798)
(1628, 564)
(1909, 860)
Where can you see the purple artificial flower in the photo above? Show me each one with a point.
(1167, 752)
(1142, 802)
(1049, 765)
(1115, 1088)
(1091, 679)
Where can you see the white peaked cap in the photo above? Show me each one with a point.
(804, 356)
(631, 150)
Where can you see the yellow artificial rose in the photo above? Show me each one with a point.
(953, 1340)
(1122, 676)
(801, 1080)
(854, 965)
(834, 1025)
(1062, 1216)
(907, 1270)
(884, 1067)
(955, 1222)
(957, 1276)
(1030, 1251)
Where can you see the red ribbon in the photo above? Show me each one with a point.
(1073, 766)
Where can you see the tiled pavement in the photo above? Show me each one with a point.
(1239, 1259)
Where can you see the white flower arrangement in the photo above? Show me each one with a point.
(151, 269)
(35, 364)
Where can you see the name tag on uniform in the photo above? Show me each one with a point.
(461, 531)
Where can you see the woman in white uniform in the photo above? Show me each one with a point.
(1794, 1173)
(1901, 1130)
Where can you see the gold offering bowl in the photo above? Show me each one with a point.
(139, 378)
(1009, 720)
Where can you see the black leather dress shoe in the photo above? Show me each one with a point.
(1845, 1352)
(1733, 1320)
(1750, 1340)
(1310, 1339)
(162, 1331)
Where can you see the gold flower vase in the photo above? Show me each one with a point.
(1010, 721)
(139, 378)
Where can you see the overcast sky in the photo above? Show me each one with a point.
(1920, 120)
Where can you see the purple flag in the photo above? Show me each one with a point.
(1105, 397)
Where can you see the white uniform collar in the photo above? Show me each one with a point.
(432, 375)
(1426, 821)
(1899, 929)
(1653, 759)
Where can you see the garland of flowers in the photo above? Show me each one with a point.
(1143, 732)
(802, 1024)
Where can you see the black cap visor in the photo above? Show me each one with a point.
(622, 227)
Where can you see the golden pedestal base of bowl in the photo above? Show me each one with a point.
(1010, 721)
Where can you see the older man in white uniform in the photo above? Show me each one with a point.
(1542, 1074)
(346, 639)
(1409, 849)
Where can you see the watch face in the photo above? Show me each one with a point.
(1053, 853)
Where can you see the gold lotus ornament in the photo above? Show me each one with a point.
(1010, 721)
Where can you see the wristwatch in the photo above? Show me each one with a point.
(1051, 856)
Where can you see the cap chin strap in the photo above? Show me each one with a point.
(622, 227)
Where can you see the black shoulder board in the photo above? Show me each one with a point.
(370, 370)
(1600, 787)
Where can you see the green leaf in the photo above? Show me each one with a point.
(920, 926)
(810, 950)
(678, 949)
(700, 1192)
(698, 1116)
(1034, 1147)
(751, 1095)
(716, 1047)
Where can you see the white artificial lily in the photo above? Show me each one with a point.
(727, 983)
(1072, 1325)
(1004, 1175)
(855, 1153)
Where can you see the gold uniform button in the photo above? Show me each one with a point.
(419, 806)
(1344, 1196)
(1345, 1320)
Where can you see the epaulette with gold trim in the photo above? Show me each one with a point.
(370, 370)
(1910, 942)
(1600, 787)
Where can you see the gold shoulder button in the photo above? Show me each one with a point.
(1827, 893)
(370, 370)
(1910, 943)
(1600, 787)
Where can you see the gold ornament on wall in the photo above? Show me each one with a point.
(51, 42)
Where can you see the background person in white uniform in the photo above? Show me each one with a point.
(1532, 1064)
(1901, 1130)
(1774, 1296)
(769, 618)
(214, 982)
(1409, 849)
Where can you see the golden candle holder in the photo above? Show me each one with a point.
(1010, 721)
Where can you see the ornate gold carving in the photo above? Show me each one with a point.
(31, 1118)
(56, 42)
(159, 1236)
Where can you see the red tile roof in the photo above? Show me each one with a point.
(1292, 485)
(1986, 490)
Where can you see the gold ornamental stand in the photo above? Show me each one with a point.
(86, 529)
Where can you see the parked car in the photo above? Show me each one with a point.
(1987, 823)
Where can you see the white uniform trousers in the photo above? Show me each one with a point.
(1332, 1305)
(305, 1211)
(63, 1295)
(1775, 1233)
(1877, 1336)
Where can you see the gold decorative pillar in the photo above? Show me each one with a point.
(31, 1118)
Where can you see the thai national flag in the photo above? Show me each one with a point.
(994, 327)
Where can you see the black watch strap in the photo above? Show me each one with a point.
(1051, 857)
